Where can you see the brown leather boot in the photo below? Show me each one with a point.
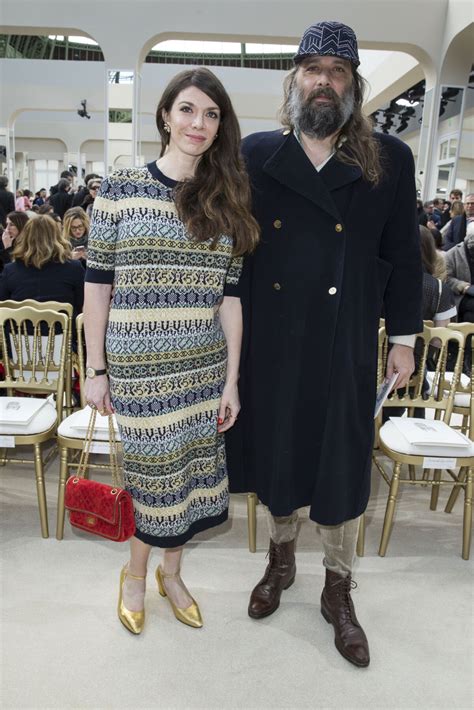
(338, 609)
(279, 575)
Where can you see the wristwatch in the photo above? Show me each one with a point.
(91, 372)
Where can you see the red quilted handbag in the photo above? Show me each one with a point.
(100, 509)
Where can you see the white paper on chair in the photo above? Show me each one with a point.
(19, 410)
(429, 431)
(383, 392)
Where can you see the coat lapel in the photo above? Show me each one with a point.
(290, 165)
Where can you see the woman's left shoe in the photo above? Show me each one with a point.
(191, 616)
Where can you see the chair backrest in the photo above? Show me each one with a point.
(467, 330)
(29, 338)
(438, 394)
(81, 355)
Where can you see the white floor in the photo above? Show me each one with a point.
(63, 646)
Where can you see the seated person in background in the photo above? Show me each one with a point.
(438, 300)
(460, 275)
(42, 268)
(16, 221)
(40, 197)
(23, 202)
(456, 209)
(456, 232)
(76, 226)
(438, 306)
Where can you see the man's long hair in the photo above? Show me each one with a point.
(356, 142)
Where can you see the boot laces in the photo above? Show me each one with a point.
(347, 585)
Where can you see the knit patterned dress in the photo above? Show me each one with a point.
(166, 352)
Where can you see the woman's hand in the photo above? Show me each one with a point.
(7, 239)
(97, 393)
(229, 408)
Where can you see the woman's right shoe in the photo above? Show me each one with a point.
(191, 616)
(134, 621)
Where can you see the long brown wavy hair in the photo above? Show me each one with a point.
(216, 200)
(356, 143)
(40, 242)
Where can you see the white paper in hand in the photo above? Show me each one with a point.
(383, 392)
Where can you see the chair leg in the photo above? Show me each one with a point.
(435, 489)
(252, 501)
(390, 510)
(3, 456)
(361, 537)
(455, 492)
(61, 492)
(412, 472)
(465, 424)
(40, 490)
(467, 524)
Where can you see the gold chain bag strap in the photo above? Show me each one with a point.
(103, 510)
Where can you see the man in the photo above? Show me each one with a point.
(61, 201)
(65, 175)
(7, 201)
(437, 212)
(455, 195)
(456, 232)
(336, 206)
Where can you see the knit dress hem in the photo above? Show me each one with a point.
(178, 540)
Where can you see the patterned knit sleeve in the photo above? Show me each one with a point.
(103, 234)
(234, 271)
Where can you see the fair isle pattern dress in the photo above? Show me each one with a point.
(166, 353)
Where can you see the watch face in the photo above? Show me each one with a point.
(90, 372)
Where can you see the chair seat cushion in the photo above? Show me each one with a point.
(391, 437)
(70, 428)
(461, 399)
(43, 420)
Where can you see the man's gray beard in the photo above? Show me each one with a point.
(319, 120)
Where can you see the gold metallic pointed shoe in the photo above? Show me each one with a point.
(134, 621)
(190, 616)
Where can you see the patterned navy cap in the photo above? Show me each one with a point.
(328, 39)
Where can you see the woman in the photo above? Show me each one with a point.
(41, 267)
(40, 197)
(76, 226)
(169, 239)
(16, 222)
(456, 209)
(93, 187)
(438, 299)
(23, 202)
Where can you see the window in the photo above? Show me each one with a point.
(46, 173)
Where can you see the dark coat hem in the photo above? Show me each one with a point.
(284, 512)
(178, 540)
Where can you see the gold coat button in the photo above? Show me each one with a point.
(277, 224)
(339, 228)
(277, 286)
(332, 290)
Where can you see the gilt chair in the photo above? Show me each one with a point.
(439, 398)
(34, 346)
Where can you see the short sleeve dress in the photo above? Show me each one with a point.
(166, 352)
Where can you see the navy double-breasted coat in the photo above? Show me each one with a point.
(333, 249)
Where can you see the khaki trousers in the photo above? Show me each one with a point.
(339, 541)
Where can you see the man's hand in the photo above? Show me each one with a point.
(401, 360)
